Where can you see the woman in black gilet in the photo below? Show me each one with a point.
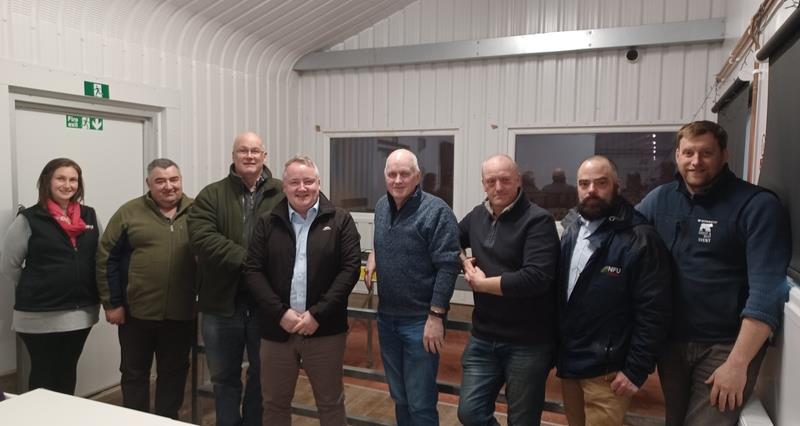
(49, 255)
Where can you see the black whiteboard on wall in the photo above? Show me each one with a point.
(734, 117)
(780, 170)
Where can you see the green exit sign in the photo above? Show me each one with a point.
(98, 90)
(84, 122)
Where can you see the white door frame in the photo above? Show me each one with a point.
(25, 99)
(46, 89)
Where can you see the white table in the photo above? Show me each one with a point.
(43, 407)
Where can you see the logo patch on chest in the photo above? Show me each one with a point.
(704, 232)
(611, 271)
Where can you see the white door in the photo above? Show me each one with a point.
(113, 173)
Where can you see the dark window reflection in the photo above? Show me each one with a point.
(357, 168)
(548, 164)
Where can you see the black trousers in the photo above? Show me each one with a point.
(170, 342)
(54, 359)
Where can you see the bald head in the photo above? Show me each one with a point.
(402, 175)
(501, 182)
(247, 138)
(498, 162)
(598, 184)
(602, 164)
(248, 157)
(404, 157)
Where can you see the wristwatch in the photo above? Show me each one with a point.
(442, 315)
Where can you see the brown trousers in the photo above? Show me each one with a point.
(321, 358)
(592, 402)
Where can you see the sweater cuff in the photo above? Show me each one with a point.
(637, 379)
(767, 306)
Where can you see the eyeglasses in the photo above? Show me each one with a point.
(244, 152)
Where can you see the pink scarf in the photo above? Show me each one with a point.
(71, 223)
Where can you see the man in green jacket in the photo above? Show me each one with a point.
(146, 281)
(221, 223)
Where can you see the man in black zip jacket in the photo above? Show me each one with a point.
(302, 264)
(512, 275)
(614, 299)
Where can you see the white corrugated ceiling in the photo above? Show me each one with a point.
(219, 31)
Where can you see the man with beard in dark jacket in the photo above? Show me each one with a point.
(614, 299)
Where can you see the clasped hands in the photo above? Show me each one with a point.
(472, 273)
(294, 322)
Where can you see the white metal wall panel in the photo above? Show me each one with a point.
(666, 86)
(231, 61)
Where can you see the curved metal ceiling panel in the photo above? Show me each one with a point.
(230, 60)
(215, 31)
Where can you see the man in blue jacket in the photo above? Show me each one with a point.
(416, 257)
(731, 245)
(613, 298)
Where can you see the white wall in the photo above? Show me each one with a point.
(227, 81)
(667, 85)
(224, 65)
(217, 82)
(739, 15)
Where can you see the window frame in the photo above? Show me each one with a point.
(336, 134)
(513, 132)
(581, 130)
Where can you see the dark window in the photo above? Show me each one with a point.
(734, 117)
(357, 165)
(549, 163)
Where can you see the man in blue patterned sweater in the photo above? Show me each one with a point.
(416, 257)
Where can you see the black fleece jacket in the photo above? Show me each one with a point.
(334, 261)
(521, 247)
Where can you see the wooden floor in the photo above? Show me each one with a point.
(361, 401)
(371, 399)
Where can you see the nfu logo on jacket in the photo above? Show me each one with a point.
(704, 233)
(611, 271)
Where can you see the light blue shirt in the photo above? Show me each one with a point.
(297, 297)
(582, 252)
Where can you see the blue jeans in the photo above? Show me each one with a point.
(226, 339)
(410, 370)
(488, 365)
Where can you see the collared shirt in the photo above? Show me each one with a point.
(297, 297)
(582, 252)
(488, 205)
(492, 234)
